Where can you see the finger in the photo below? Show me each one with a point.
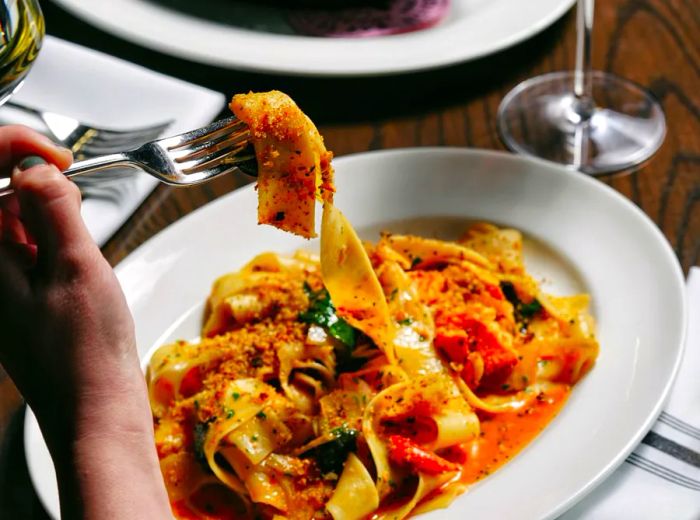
(11, 229)
(17, 142)
(50, 208)
(14, 284)
(24, 256)
(10, 203)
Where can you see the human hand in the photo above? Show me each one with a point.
(64, 319)
(68, 341)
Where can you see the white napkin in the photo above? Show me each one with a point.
(661, 479)
(98, 89)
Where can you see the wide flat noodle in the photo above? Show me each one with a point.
(503, 247)
(183, 475)
(426, 485)
(351, 281)
(414, 329)
(419, 250)
(241, 402)
(256, 291)
(306, 372)
(355, 496)
(170, 366)
(293, 164)
(423, 400)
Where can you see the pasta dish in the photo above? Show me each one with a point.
(376, 386)
(373, 381)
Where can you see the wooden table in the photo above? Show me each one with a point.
(653, 42)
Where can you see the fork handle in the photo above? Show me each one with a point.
(104, 162)
(115, 160)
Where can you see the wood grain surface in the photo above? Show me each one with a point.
(652, 42)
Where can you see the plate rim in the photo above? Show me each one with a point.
(82, 10)
(552, 169)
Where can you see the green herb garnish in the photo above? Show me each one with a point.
(200, 435)
(524, 312)
(331, 455)
(322, 312)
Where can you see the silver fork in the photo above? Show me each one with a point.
(183, 160)
(91, 140)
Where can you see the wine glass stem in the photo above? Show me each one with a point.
(582, 77)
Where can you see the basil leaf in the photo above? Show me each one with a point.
(528, 310)
(343, 332)
(200, 435)
(331, 455)
(524, 312)
(322, 312)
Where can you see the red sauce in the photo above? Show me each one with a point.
(504, 435)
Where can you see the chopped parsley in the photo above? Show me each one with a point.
(417, 260)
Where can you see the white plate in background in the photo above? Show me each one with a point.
(581, 235)
(260, 41)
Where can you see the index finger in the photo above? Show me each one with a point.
(17, 142)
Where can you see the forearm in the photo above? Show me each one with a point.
(105, 460)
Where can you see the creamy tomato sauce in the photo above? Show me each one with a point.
(504, 435)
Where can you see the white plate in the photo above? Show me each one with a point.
(473, 28)
(581, 235)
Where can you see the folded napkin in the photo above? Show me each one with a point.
(101, 90)
(661, 479)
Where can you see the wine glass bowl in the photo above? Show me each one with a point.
(590, 121)
(543, 117)
(21, 34)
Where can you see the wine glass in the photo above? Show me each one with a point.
(21, 34)
(590, 121)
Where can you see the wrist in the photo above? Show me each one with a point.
(111, 402)
(104, 452)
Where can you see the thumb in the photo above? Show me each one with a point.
(50, 209)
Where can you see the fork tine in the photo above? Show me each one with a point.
(104, 142)
(108, 141)
(228, 155)
(109, 134)
(206, 148)
(207, 133)
(205, 175)
(89, 149)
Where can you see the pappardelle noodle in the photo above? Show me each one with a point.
(377, 381)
